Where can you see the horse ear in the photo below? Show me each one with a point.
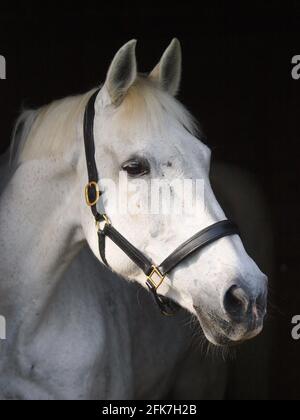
(122, 73)
(168, 71)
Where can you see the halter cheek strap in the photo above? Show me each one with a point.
(155, 275)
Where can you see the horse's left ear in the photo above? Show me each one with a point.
(168, 71)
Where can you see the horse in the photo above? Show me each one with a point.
(75, 329)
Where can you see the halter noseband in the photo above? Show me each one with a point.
(155, 274)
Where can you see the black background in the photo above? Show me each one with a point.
(236, 80)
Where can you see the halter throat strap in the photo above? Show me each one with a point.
(155, 275)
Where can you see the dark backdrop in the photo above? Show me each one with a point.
(236, 80)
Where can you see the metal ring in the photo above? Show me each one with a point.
(156, 271)
(106, 222)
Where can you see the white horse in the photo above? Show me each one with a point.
(74, 331)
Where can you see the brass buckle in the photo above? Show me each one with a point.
(155, 278)
(106, 222)
(90, 185)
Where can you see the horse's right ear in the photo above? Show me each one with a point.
(168, 71)
(121, 74)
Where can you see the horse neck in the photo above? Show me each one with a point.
(40, 231)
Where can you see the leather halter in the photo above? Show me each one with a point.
(155, 275)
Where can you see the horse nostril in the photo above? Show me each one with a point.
(236, 302)
(261, 304)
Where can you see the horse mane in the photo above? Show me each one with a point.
(146, 106)
(48, 131)
(51, 130)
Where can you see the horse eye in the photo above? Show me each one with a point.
(136, 167)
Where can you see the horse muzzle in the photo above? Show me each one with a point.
(240, 318)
